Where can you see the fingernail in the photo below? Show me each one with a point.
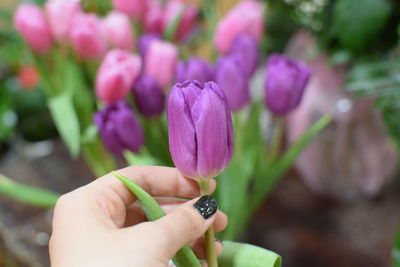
(206, 206)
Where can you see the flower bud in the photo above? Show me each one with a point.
(31, 24)
(246, 17)
(118, 30)
(154, 18)
(188, 18)
(60, 14)
(284, 84)
(133, 8)
(160, 61)
(116, 75)
(247, 48)
(200, 129)
(87, 36)
(194, 69)
(119, 128)
(149, 96)
(233, 80)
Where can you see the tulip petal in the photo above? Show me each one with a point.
(128, 130)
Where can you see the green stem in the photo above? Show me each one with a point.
(275, 146)
(204, 185)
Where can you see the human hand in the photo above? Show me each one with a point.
(102, 224)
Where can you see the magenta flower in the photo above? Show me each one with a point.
(118, 30)
(284, 84)
(136, 9)
(200, 129)
(194, 69)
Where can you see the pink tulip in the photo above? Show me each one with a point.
(60, 14)
(188, 19)
(245, 17)
(134, 8)
(118, 30)
(87, 36)
(154, 18)
(31, 24)
(161, 58)
(116, 75)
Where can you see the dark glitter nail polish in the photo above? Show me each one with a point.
(206, 206)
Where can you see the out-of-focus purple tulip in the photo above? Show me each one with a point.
(116, 75)
(134, 8)
(119, 128)
(118, 30)
(188, 20)
(247, 47)
(154, 17)
(87, 36)
(60, 14)
(149, 96)
(194, 69)
(145, 41)
(284, 84)
(31, 24)
(233, 80)
(160, 61)
(200, 129)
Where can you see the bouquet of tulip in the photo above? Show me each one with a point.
(108, 71)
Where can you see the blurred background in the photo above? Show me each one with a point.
(339, 203)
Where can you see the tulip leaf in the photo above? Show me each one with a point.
(246, 255)
(184, 257)
(66, 120)
(173, 25)
(27, 194)
(141, 159)
(396, 251)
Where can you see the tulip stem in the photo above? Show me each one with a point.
(275, 146)
(204, 185)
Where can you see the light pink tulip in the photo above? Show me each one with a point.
(245, 17)
(118, 30)
(31, 24)
(161, 58)
(134, 8)
(154, 17)
(87, 36)
(60, 14)
(116, 75)
(188, 20)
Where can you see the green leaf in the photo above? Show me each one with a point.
(173, 25)
(27, 194)
(246, 255)
(185, 257)
(396, 251)
(141, 159)
(66, 120)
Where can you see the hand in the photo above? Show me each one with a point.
(102, 224)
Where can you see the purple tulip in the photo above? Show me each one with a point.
(231, 77)
(246, 46)
(284, 84)
(149, 96)
(200, 129)
(194, 69)
(119, 128)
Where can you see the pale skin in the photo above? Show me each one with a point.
(102, 224)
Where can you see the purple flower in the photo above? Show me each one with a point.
(149, 96)
(231, 77)
(200, 129)
(145, 41)
(194, 69)
(284, 84)
(246, 47)
(119, 128)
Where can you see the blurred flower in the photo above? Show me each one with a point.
(247, 47)
(116, 75)
(245, 17)
(28, 77)
(233, 80)
(284, 84)
(149, 96)
(60, 14)
(134, 8)
(188, 18)
(200, 129)
(31, 24)
(160, 61)
(144, 43)
(194, 69)
(119, 128)
(154, 17)
(87, 36)
(118, 30)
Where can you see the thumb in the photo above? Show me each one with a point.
(184, 224)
